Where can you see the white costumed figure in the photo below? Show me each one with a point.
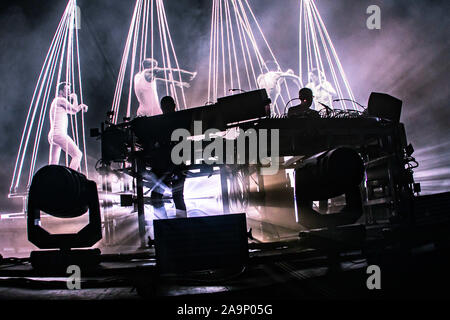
(322, 90)
(145, 86)
(58, 137)
(272, 80)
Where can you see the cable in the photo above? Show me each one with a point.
(345, 99)
(234, 90)
(293, 99)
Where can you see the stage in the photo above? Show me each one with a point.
(238, 153)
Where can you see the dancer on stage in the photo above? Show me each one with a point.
(272, 80)
(322, 90)
(145, 86)
(58, 137)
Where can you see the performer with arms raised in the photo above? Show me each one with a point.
(145, 86)
(272, 79)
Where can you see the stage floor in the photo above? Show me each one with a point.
(283, 272)
(280, 267)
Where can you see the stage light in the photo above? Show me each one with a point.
(328, 174)
(324, 176)
(114, 144)
(64, 193)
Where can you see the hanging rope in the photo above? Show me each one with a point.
(83, 131)
(316, 47)
(33, 106)
(149, 21)
(236, 58)
(63, 54)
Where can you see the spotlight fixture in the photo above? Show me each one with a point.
(114, 144)
(324, 176)
(63, 193)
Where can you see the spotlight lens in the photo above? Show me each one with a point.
(59, 191)
(346, 165)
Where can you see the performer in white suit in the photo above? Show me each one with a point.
(145, 86)
(323, 90)
(272, 80)
(58, 137)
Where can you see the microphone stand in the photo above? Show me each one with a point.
(327, 108)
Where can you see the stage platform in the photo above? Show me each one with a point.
(281, 270)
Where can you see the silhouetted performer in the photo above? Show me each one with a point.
(57, 137)
(166, 172)
(145, 86)
(306, 98)
(168, 105)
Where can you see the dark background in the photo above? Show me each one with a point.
(407, 58)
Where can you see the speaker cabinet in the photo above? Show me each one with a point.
(201, 243)
(384, 106)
